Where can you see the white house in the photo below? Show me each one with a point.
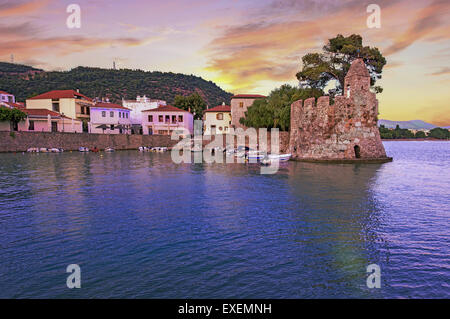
(109, 118)
(217, 120)
(137, 106)
(7, 97)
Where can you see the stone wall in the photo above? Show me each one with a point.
(346, 129)
(70, 141)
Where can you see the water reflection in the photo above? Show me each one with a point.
(141, 226)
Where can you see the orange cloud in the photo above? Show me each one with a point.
(425, 23)
(21, 8)
(256, 51)
(27, 48)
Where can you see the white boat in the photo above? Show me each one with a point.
(257, 155)
(56, 150)
(143, 149)
(280, 157)
(109, 150)
(83, 149)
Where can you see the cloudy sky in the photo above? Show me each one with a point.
(245, 46)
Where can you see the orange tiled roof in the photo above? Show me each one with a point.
(166, 108)
(220, 108)
(40, 113)
(249, 96)
(60, 94)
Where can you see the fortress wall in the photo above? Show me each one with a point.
(323, 131)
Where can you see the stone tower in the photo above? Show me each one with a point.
(345, 130)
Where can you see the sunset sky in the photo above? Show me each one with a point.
(245, 46)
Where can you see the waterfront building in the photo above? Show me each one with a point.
(68, 103)
(166, 119)
(137, 106)
(6, 97)
(239, 105)
(41, 120)
(217, 120)
(109, 118)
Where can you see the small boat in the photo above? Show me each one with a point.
(43, 150)
(257, 155)
(33, 150)
(56, 150)
(280, 157)
(109, 150)
(83, 149)
(143, 149)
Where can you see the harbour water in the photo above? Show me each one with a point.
(140, 226)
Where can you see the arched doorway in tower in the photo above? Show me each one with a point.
(357, 151)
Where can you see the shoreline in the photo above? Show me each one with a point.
(415, 139)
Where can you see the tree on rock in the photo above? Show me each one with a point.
(319, 69)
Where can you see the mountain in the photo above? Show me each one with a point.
(14, 69)
(24, 82)
(414, 124)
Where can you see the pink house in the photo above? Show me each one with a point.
(110, 118)
(165, 119)
(41, 120)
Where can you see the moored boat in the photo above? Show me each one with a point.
(83, 149)
(280, 157)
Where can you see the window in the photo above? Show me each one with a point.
(150, 118)
(167, 118)
(31, 126)
(111, 114)
(112, 127)
(241, 104)
(219, 116)
(103, 113)
(126, 114)
(226, 128)
(54, 126)
(55, 106)
(174, 118)
(180, 118)
(160, 118)
(120, 114)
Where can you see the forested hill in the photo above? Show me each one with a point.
(113, 84)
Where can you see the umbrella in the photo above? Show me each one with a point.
(103, 126)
